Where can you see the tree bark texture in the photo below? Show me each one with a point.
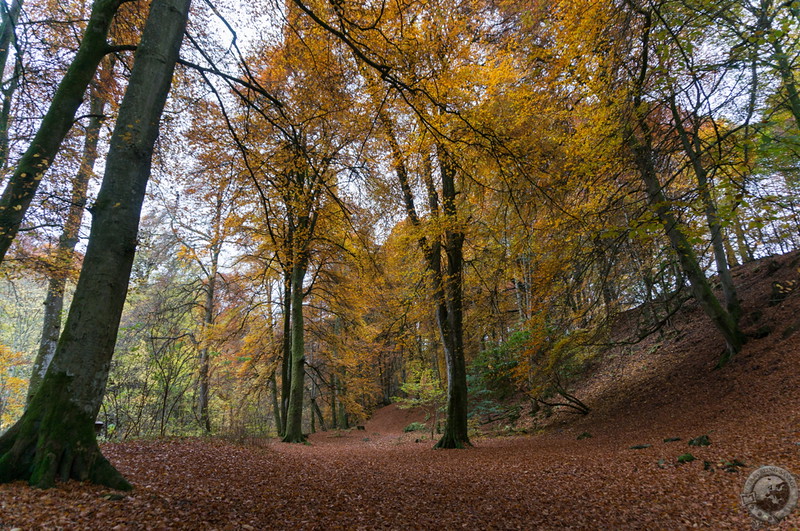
(208, 321)
(7, 31)
(450, 313)
(7, 38)
(446, 288)
(286, 348)
(276, 408)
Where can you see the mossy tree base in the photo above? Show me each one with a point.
(294, 438)
(449, 441)
(55, 441)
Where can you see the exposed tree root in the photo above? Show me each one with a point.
(55, 441)
(295, 439)
(449, 441)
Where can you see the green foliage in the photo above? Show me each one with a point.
(21, 313)
(490, 375)
(415, 426)
(152, 372)
(422, 389)
(551, 371)
(490, 379)
(568, 356)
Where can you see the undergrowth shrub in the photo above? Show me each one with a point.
(491, 373)
(415, 426)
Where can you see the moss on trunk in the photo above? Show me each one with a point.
(55, 441)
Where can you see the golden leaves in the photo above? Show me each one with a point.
(14, 373)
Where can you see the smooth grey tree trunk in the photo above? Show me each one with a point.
(276, 408)
(55, 439)
(286, 349)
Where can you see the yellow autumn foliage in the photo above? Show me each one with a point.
(14, 369)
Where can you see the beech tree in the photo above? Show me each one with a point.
(55, 437)
(542, 167)
(293, 154)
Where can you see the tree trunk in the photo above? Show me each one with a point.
(693, 150)
(313, 418)
(447, 292)
(64, 254)
(745, 254)
(276, 408)
(286, 362)
(55, 437)
(343, 419)
(5, 113)
(7, 37)
(208, 321)
(334, 416)
(294, 415)
(316, 410)
(639, 138)
(450, 314)
(786, 72)
(733, 259)
(22, 186)
(7, 31)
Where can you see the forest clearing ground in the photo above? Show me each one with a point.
(380, 477)
(547, 482)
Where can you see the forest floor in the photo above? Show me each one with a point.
(662, 388)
